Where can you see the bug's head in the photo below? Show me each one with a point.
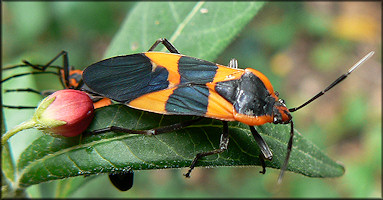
(281, 114)
(255, 102)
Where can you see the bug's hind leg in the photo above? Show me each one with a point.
(43, 94)
(224, 142)
(42, 69)
(164, 129)
(25, 90)
(166, 43)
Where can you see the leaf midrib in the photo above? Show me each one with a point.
(186, 20)
(63, 151)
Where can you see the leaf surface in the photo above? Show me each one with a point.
(198, 29)
(55, 158)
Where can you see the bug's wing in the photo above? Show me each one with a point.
(189, 99)
(124, 78)
(161, 82)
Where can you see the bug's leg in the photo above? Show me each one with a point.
(18, 66)
(43, 93)
(224, 142)
(164, 129)
(24, 90)
(19, 107)
(289, 147)
(42, 69)
(29, 73)
(263, 164)
(233, 63)
(262, 144)
(64, 80)
(166, 43)
(265, 150)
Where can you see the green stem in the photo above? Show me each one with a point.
(18, 128)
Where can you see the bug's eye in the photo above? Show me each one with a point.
(276, 120)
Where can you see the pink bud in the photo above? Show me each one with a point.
(71, 106)
(64, 113)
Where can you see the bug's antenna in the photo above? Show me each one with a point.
(338, 80)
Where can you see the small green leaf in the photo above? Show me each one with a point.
(198, 29)
(7, 163)
(51, 158)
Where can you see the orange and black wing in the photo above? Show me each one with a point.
(163, 83)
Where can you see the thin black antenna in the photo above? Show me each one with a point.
(338, 80)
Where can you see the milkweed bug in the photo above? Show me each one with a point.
(69, 77)
(175, 84)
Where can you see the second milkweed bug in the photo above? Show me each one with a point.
(175, 84)
(70, 78)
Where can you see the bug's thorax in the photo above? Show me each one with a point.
(74, 77)
(275, 112)
(254, 100)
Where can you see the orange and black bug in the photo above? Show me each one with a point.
(175, 84)
(69, 77)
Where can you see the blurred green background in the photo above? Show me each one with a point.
(301, 47)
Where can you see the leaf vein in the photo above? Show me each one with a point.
(187, 19)
(173, 11)
(75, 164)
(98, 153)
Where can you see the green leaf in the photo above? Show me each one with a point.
(7, 163)
(198, 29)
(8, 175)
(51, 158)
(212, 24)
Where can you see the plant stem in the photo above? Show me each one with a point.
(18, 128)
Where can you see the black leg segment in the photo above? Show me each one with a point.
(42, 69)
(224, 142)
(289, 147)
(163, 129)
(24, 90)
(266, 153)
(263, 164)
(166, 43)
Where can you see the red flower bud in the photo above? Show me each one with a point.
(64, 113)
(71, 106)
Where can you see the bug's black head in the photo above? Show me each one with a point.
(281, 114)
